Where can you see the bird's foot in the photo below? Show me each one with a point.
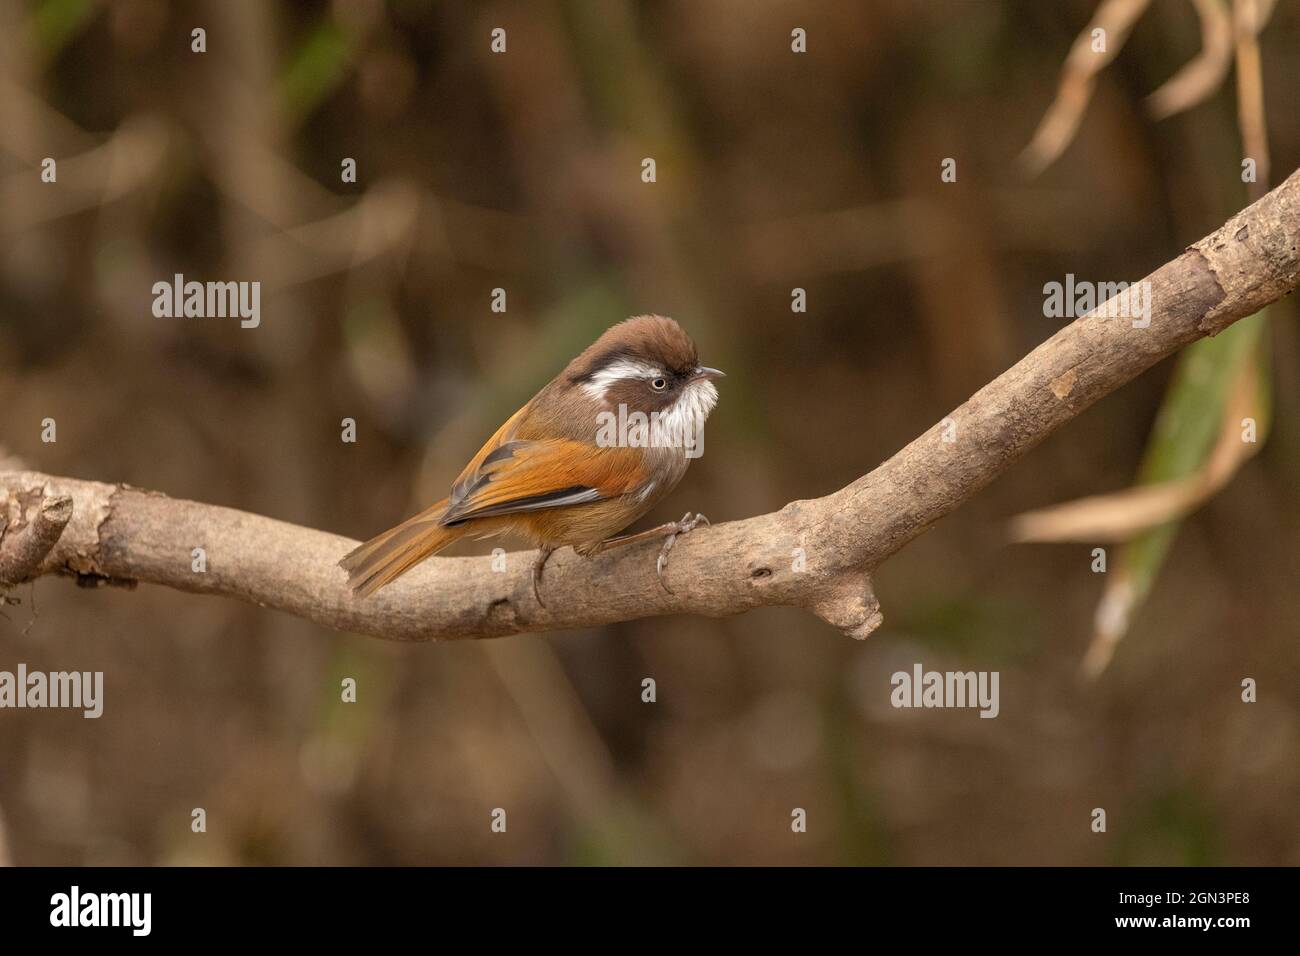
(543, 553)
(688, 523)
(672, 529)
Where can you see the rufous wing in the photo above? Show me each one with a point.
(520, 476)
(472, 471)
(508, 476)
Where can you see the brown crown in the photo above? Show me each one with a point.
(649, 338)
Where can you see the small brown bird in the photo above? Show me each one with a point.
(591, 453)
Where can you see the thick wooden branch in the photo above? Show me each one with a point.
(816, 554)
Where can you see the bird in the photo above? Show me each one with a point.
(593, 451)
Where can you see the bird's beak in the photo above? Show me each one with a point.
(710, 373)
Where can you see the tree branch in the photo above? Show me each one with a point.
(28, 534)
(119, 534)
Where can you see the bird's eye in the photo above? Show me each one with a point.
(659, 385)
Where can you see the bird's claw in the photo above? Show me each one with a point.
(688, 523)
(538, 566)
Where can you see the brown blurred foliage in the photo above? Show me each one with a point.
(522, 171)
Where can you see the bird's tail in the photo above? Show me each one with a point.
(388, 556)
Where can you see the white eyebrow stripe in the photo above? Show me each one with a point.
(600, 381)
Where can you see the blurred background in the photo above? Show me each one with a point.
(521, 171)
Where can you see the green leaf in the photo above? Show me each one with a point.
(1185, 433)
(315, 71)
